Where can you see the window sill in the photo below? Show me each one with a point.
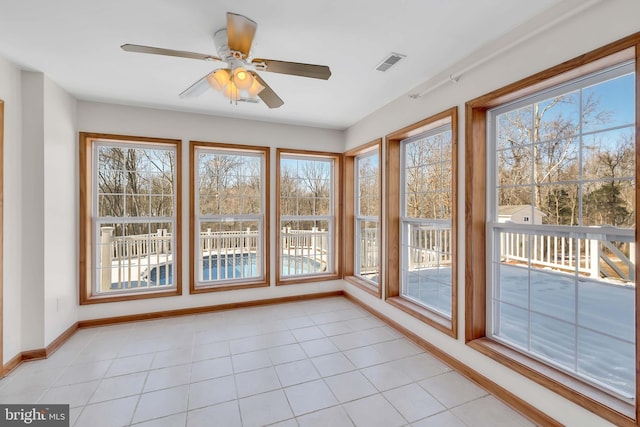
(427, 316)
(365, 285)
(227, 287)
(99, 299)
(295, 280)
(589, 397)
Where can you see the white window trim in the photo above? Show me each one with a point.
(329, 218)
(358, 219)
(97, 220)
(200, 218)
(406, 221)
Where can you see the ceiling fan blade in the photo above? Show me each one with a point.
(168, 52)
(267, 94)
(295, 68)
(196, 89)
(240, 32)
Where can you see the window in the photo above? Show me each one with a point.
(551, 261)
(130, 226)
(362, 227)
(567, 153)
(309, 198)
(426, 219)
(421, 201)
(230, 213)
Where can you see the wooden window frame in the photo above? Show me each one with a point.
(337, 214)
(393, 232)
(476, 334)
(228, 285)
(350, 215)
(86, 243)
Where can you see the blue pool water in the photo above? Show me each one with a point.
(234, 266)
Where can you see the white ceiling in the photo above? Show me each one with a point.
(76, 43)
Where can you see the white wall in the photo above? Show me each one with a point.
(607, 21)
(10, 93)
(124, 120)
(49, 211)
(32, 210)
(60, 203)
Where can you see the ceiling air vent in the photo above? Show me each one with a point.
(391, 60)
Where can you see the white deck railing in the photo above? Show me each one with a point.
(127, 261)
(368, 251)
(590, 257)
(306, 251)
(428, 246)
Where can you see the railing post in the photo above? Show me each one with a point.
(632, 261)
(314, 234)
(106, 249)
(594, 258)
(162, 232)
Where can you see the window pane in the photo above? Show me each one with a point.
(309, 182)
(553, 339)
(305, 247)
(134, 255)
(608, 360)
(616, 95)
(511, 324)
(609, 154)
(427, 275)
(368, 250)
(514, 165)
(229, 250)
(368, 185)
(608, 203)
(427, 175)
(557, 118)
(515, 129)
(557, 204)
(513, 284)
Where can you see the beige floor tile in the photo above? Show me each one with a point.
(257, 381)
(296, 372)
(413, 402)
(374, 411)
(113, 413)
(350, 386)
(266, 408)
(309, 397)
(452, 389)
(117, 387)
(332, 364)
(330, 417)
(158, 404)
(212, 392)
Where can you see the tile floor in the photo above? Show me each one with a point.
(321, 362)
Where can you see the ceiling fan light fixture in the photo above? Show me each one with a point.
(242, 78)
(231, 91)
(255, 88)
(219, 78)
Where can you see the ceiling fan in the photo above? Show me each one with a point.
(240, 80)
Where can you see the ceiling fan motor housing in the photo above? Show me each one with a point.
(232, 57)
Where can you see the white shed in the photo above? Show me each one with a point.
(520, 214)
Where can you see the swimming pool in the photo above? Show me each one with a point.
(235, 266)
